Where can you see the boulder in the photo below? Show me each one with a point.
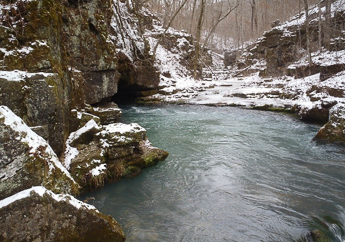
(116, 151)
(334, 130)
(230, 58)
(275, 23)
(37, 99)
(317, 236)
(108, 112)
(27, 160)
(37, 214)
(317, 114)
(328, 71)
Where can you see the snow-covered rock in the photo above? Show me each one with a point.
(38, 214)
(96, 154)
(36, 98)
(334, 130)
(26, 159)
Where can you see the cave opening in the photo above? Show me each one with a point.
(126, 94)
(139, 79)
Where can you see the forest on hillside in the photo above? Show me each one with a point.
(225, 24)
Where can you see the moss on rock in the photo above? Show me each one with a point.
(116, 151)
(27, 160)
(334, 130)
(51, 217)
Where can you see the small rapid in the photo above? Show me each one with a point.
(232, 175)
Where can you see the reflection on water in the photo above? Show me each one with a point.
(232, 175)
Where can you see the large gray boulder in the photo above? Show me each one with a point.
(39, 215)
(27, 160)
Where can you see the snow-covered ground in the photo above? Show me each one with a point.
(281, 93)
(251, 91)
(222, 86)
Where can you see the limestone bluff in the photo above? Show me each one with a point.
(61, 63)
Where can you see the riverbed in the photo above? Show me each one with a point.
(232, 175)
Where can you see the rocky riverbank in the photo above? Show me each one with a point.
(61, 63)
(273, 74)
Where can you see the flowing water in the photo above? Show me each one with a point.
(232, 175)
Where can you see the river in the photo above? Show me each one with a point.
(232, 175)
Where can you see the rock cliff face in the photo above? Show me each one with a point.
(70, 54)
(61, 63)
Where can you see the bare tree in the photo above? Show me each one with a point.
(198, 38)
(306, 9)
(254, 17)
(220, 17)
(320, 28)
(251, 18)
(169, 24)
(192, 18)
(327, 28)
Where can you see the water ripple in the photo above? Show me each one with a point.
(232, 175)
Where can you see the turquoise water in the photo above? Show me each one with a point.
(232, 175)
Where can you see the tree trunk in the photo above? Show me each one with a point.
(320, 28)
(254, 18)
(198, 39)
(192, 18)
(327, 28)
(168, 25)
(237, 27)
(219, 19)
(167, 11)
(306, 8)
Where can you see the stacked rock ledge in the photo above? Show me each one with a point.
(96, 154)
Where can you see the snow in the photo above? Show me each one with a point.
(24, 50)
(41, 191)
(336, 81)
(118, 133)
(254, 91)
(105, 110)
(72, 152)
(175, 78)
(96, 161)
(35, 142)
(284, 92)
(297, 20)
(17, 75)
(326, 58)
(166, 61)
(40, 43)
(120, 128)
(86, 128)
(127, 40)
(98, 170)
